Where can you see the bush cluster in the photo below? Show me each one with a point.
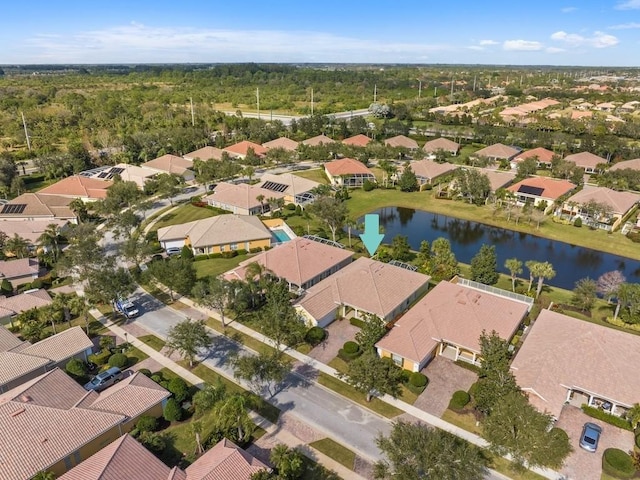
(349, 351)
(459, 400)
(607, 417)
(172, 411)
(617, 463)
(315, 335)
(119, 360)
(100, 358)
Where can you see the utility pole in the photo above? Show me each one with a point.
(26, 132)
(193, 118)
(258, 100)
(312, 102)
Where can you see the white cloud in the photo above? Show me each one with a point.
(629, 5)
(475, 47)
(625, 26)
(568, 9)
(488, 42)
(597, 40)
(135, 43)
(554, 50)
(522, 45)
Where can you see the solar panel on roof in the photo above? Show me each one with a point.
(275, 187)
(117, 171)
(530, 190)
(103, 175)
(13, 208)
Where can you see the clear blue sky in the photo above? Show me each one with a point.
(576, 32)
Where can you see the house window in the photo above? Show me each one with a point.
(397, 359)
(221, 248)
(234, 246)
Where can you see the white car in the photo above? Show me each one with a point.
(127, 308)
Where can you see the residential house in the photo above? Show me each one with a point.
(296, 190)
(627, 164)
(242, 199)
(318, 140)
(401, 141)
(36, 207)
(78, 186)
(540, 189)
(24, 361)
(428, 172)
(205, 154)
(241, 149)
(586, 160)
(16, 304)
(19, 271)
(497, 178)
(497, 153)
(282, 142)
(362, 288)
(301, 263)
(359, 140)
(449, 321)
(128, 173)
(541, 155)
(126, 458)
(348, 172)
(564, 360)
(434, 146)
(605, 107)
(598, 206)
(52, 423)
(30, 230)
(222, 233)
(172, 165)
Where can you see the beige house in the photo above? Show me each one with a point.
(282, 142)
(449, 321)
(348, 172)
(428, 171)
(302, 262)
(362, 288)
(222, 233)
(449, 146)
(401, 141)
(242, 199)
(172, 165)
(128, 173)
(586, 160)
(20, 271)
(627, 164)
(498, 178)
(318, 140)
(16, 304)
(611, 207)
(241, 149)
(296, 190)
(77, 186)
(540, 189)
(541, 155)
(205, 154)
(565, 360)
(497, 152)
(359, 140)
(36, 207)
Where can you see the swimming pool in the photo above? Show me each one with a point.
(279, 235)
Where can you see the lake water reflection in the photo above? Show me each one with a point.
(570, 262)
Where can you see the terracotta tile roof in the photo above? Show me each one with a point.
(585, 159)
(16, 365)
(123, 459)
(205, 154)
(131, 397)
(78, 186)
(346, 166)
(620, 202)
(552, 188)
(219, 230)
(359, 140)
(30, 230)
(401, 141)
(375, 287)
(8, 341)
(54, 389)
(441, 143)
(241, 148)
(241, 195)
(295, 184)
(61, 346)
(428, 169)
(630, 164)
(169, 164)
(543, 155)
(225, 461)
(497, 150)
(561, 352)
(453, 313)
(318, 140)
(497, 178)
(298, 261)
(25, 301)
(19, 268)
(41, 206)
(282, 142)
(575, 115)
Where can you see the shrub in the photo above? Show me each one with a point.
(37, 283)
(607, 417)
(157, 377)
(100, 358)
(349, 351)
(153, 441)
(617, 463)
(351, 347)
(315, 335)
(186, 253)
(145, 371)
(119, 360)
(215, 255)
(634, 237)
(418, 379)
(367, 186)
(76, 367)
(229, 254)
(178, 387)
(473, 389)
(199, 258)
(468, 366)
(577, 222)
(459, 400)
(172, 411)
(6, 286)
(356, 322)
(638, 440)
(255, 250)
(147, 423)
(427, 186)
(241, 251)
(290, 206)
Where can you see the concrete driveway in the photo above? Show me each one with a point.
(338, 332)
(583, 465)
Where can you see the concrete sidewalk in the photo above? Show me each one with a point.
(281, 435)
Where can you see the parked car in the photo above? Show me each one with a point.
(590, 436)
(104, 380)
(126, 308)
(173, 251)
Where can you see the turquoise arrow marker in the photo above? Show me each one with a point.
(372, 236)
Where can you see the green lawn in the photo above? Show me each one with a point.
(186, 213)
(466, 421)
(335, 451)
(217, 266)
(507, 468)
(153, 341)
(316, 174)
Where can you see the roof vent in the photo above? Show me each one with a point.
(25, 398)
(18, 412)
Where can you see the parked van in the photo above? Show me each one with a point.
(105, 379)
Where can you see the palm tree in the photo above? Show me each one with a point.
(530, 264)
(515, 268)
(78, 306)
(78, 207)
(196, 429)
(49, 239)
(17, 245)
(542, 270)
(232, 414)
(633, 415)
(350, 223)
(260, 198)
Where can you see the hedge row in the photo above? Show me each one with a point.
(356, 322)
(607, 417)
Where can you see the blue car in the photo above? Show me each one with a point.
(590, 436)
